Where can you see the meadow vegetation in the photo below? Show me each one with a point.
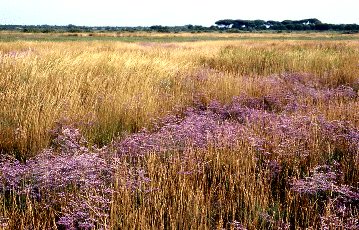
(222, 134)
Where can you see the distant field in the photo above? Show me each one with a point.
(179, 131)
(171, 37)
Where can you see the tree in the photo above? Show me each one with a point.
(298, 26)
(339, 27)
(238, 24)
(351, 27)
(190, 27)
(250, 25)
(323, 26)
(226, 23)
(287, 22)
(274, 25)
(71, 26)
(312, 21)
(213, 28)
(257, 24)
(290, 26)
(271, 23)
(161, 29)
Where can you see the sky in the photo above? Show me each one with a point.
(134, 13)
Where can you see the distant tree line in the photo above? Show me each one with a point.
(311, 24)
(226, 25)
(91, 29)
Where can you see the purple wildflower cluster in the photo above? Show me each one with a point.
(16, 54)
(276, 224)
(237, 225)
(340, 200)
(274, 126)
(339, 216)
(3, 221)
(82, 180)
(79, 179)
(158, 44)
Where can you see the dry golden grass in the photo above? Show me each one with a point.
(108, 88)
(120, 86)
(117, 84)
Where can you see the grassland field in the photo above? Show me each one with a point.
(7, 36)
(179, 131)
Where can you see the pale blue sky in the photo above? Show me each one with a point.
(166, 13)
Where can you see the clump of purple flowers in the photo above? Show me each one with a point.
(338, 216)
(339, 200)
(79, 179)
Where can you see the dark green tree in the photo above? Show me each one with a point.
(323, 26)
(312, 21)
(351, 27)
(226, 23)
(161, 29)
(239, 24)
(190, 27)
